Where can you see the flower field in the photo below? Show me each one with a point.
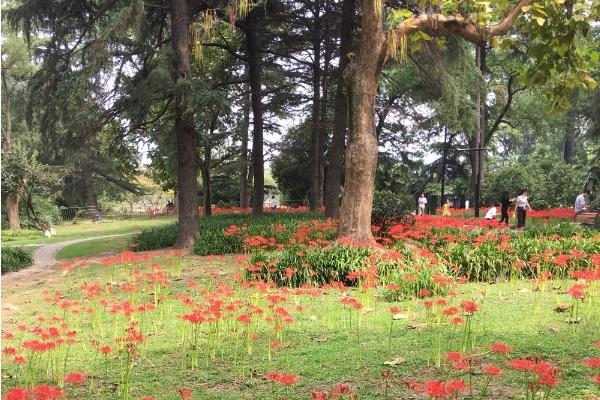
(448, 308)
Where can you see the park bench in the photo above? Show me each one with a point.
(588, 219)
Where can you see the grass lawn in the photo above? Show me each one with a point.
(94, 247)
(326, 343)
(82, 229)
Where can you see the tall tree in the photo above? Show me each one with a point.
(333, 179)
(375, 49)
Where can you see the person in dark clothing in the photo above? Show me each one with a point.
(505, 205)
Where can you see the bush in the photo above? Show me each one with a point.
(317, 266)
(216, 235)
(46, 210)
(391, 208)
(15, 259)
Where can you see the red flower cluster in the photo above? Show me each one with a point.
(280, 378)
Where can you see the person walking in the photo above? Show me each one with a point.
(421, 204)
(522, 204)
(504, 206)
(580, 205)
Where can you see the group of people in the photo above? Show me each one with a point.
(521, 205)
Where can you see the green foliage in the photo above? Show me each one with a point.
(46, 211)
(390, 208)
(291, 166)
(413, 277)
(317, 266)
(213, 240)
(549, 183)
(15, 259)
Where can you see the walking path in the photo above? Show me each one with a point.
(45, 256)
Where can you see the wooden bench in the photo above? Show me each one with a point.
(588, 219)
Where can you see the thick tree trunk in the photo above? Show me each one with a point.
(333, 179)
(254, 65)
(12, 210)
(187, 162)
(243, 167)
(362, 150)
(569, 147)
(315, 141)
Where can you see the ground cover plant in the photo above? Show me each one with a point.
(15, 259)
(297, 317)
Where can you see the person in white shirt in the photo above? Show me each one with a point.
(491, 213)
(466, 204)
(422, 201)
(273, 203)
(580, 202)
(522, 204)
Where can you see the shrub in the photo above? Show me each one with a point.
(390, 208)
(155, 238)
(317, 266)
(46, 210)
(15, 259)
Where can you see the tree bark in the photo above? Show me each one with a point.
(243, 167)
(361, 154)
(187, 162)
(86, 174)
(207, 196)
(333, 179)
(569, 147)
(12, 210)
(316, 129)
(254, 65)
(327, 51)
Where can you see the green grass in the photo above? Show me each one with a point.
(68, 231)
(94, 247)
(320, 346)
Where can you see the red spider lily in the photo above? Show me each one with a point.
(457, 320)
(319, 395)
(522, 364)
(386, 374)
(450, 311)
(492, 370)
(7, 336)
(592, 362)
(75, 378)
(469, 307)
(185, 393)
(595, 379)
(244, 318)
(9, 351)
(501, 347)
(148, 398)
(19, 360)
(105, 349)
(17, 394)
(577, 291)
(280, 378)
(45, 392)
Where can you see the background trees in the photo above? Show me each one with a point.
(333, 104)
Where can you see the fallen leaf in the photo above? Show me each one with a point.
(417, 327)
(554, 329)
(573, 320)
(395, 361)
(399, 316)
(563, 308)
(320, 339)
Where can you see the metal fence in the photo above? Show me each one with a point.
(93, 214)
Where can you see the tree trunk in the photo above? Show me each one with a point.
(333, 180)
(569, 138)
(12, 210)
(207, 196)
(254, 65)
(86, 174)
(187, 162)
(362, 151)
(315, 166)
(328, 49)
(244, 151)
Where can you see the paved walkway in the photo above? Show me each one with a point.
(45, 256)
